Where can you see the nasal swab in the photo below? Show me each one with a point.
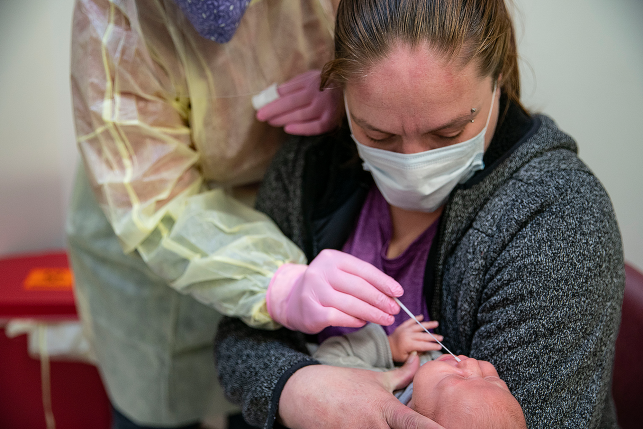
(406, 310)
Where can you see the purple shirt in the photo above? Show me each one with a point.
(369, 242)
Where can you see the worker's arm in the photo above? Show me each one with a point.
(132, 121)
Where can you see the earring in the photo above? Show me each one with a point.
(473, 110)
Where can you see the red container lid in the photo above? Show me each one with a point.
(37, 285)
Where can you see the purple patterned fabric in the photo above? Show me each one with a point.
(369, 242)
(216, 20)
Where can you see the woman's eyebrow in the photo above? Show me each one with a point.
(364, 124)
(456, 121)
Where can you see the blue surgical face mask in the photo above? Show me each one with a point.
(423, 181)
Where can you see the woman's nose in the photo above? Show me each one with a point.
(412, 145)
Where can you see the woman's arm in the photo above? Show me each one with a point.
(328, 397)
(270, 375)
(549, 313)
(254, 365)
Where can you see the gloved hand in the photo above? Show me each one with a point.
(303, 109)
(335, 289)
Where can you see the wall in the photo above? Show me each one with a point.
(36, 131)
(582, 65)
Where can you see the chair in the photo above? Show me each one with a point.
(627, 383)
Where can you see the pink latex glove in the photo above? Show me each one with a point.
(303, 109)
(336, 289)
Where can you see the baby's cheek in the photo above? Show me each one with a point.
(421, 400)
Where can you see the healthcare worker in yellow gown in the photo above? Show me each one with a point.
(161, 234)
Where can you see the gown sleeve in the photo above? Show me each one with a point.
(132, 114)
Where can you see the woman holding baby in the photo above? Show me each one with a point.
(481, 210)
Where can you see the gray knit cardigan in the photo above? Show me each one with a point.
(527, 273)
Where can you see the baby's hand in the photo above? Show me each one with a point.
(409, 337)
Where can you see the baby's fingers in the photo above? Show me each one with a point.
(425, 346)
(409, 323)
(428, 325)
(423, 336)
(432, 324)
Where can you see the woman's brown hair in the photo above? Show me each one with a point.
(480, 30)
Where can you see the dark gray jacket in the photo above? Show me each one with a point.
(526, 272)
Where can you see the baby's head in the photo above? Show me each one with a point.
(467, 394)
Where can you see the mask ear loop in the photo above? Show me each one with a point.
(493, 100)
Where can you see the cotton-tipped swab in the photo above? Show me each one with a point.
(406, 310)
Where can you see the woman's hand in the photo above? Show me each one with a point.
(410, 337)
(303, 109)
(321, 396)
(335, 289)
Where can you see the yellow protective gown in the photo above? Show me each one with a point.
(168, 137)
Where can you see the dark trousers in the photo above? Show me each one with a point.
(121, 422)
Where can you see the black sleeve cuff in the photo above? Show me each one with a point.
(276, 394)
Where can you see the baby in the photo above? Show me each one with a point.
(466, 394)
(370, 347)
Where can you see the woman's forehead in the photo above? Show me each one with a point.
(415, 82)
(409, 68)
